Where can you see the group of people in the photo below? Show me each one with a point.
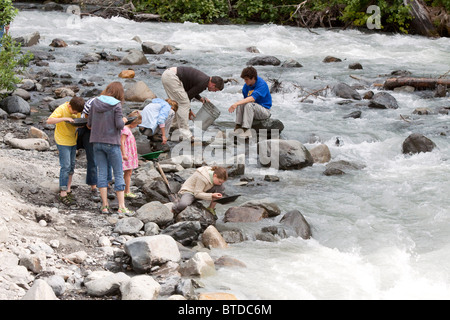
(182, 84)
(111, 146)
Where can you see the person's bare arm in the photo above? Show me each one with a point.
(243, 101)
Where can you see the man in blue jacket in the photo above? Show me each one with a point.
(255, 105)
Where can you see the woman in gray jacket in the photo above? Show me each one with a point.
(106, 122)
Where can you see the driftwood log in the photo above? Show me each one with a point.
(418, 83)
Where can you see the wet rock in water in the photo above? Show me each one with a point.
(383, 100)
(344, 91)
(211, 238)
(156, 48)
(201, 264)
(291, 63)
(341, 167)
(296, 222)
(321, 153)
(58, 43)
(264, 61)
(29, 40)
(284, 154)
(252, 49)
(329, 59)
(354, 115)
(355, 66)
(416, 143)
(134, 57)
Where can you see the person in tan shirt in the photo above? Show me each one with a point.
(205, 184)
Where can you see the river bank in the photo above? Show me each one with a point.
(374, 229)
(423, 19)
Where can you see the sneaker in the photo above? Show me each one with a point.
(130, 195)
(125, 211)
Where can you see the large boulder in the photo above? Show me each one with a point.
(284, 154)
(147, 251)
(155, 212)
(15, 104)
(416, 143)
(138, 92)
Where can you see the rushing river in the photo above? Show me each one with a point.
(382, 232)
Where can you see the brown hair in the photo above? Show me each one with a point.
(138, 116)
(220, 172)
(218, 81)
(115, 89)
(250, 73)
(77, 104)
(173, 104)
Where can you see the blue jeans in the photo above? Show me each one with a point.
(67, 156)
(91, 170)
(109, 155)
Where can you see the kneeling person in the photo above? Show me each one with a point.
(205, 184)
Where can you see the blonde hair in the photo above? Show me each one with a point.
(138, 116)
(173, 104)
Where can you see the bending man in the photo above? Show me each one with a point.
(183, 84)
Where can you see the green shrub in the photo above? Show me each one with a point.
(200, 11)
(12, 60)
(394, 15)
(7, 12)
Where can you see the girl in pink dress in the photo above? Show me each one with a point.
(129, 152)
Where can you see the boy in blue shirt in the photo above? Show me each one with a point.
(255, 105)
